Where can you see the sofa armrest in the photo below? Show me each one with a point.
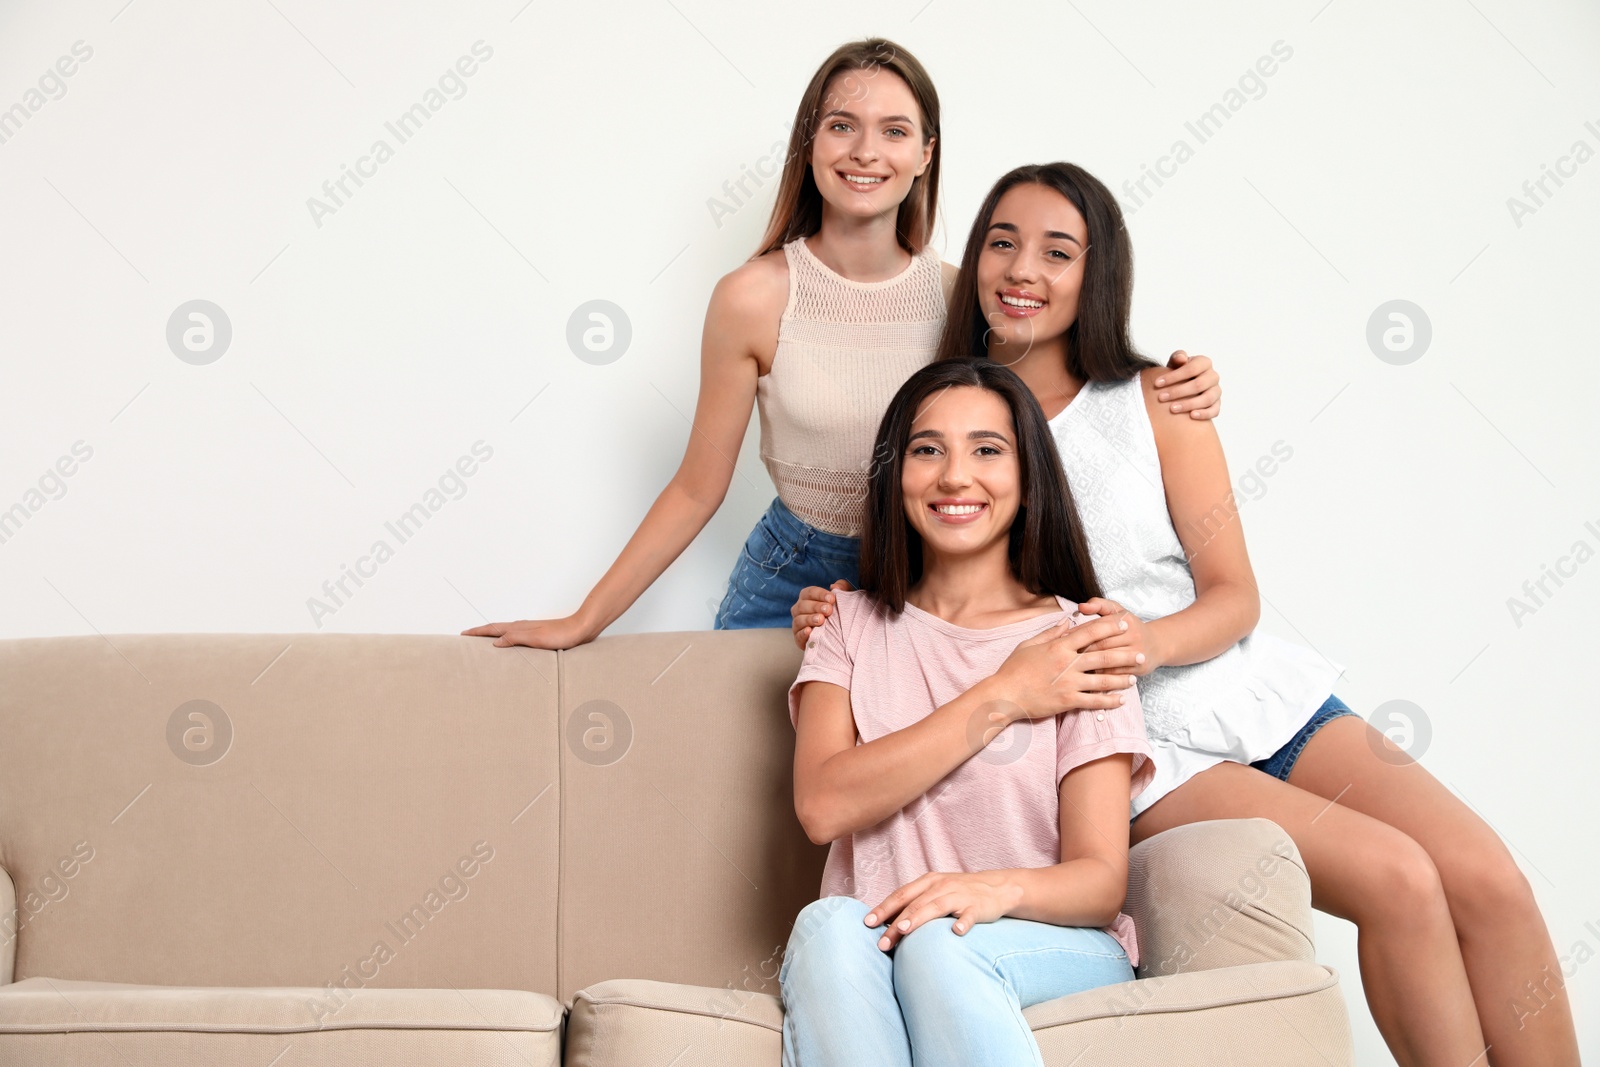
(8, 927)
(1219, 894)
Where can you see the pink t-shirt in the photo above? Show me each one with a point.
(999, 809)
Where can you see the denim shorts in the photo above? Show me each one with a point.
(1281, 762)
(782, 556)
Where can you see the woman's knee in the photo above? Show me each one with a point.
(828, 914)
(830, 938)
(1487, 888)
(933, 958)
(1398, 881)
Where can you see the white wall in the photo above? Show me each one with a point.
(373, 346)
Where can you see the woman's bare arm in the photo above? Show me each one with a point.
(840, 787)
(741, 323)
(1090, 884)
(1206, 517)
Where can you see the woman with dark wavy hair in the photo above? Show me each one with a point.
(967, 758)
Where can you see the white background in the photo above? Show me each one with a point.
(424, 314)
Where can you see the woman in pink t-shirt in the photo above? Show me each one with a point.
(969, 762)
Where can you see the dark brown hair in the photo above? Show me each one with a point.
(1098, 346)
(797, 212)
(1048, 551)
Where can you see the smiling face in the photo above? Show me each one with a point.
(1029, 274)
(961, 478)
(870, 143)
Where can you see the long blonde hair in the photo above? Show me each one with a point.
(797, 211)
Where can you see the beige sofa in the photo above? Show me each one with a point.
(374, 850)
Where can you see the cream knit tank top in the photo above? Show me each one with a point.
(844, 350)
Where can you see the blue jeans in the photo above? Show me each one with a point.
(782, 556)
(1281, 762)
(938, 998)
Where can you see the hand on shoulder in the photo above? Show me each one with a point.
(814, 606)
(1170, 430)
(1189, 385)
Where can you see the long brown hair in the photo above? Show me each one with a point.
(797, 211)
(1048, 551)
(1098, 346)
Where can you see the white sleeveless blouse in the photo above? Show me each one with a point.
(1242, 705)
(844, 349)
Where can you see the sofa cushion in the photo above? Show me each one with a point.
(49, 1021)
(635, 1020)
(1217, 1017)
(1287, 1013)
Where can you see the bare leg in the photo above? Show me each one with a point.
(1377, 877)
(1516, 977)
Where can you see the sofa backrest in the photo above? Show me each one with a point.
(682, 860)
(399, 811)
